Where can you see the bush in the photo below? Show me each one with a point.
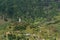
(21, 28)
(11, 36)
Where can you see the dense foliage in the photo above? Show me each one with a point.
(40, 19)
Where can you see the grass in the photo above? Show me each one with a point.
(45, 32)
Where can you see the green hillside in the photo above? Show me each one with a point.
(29, 19)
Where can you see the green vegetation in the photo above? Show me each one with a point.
(40, 20)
